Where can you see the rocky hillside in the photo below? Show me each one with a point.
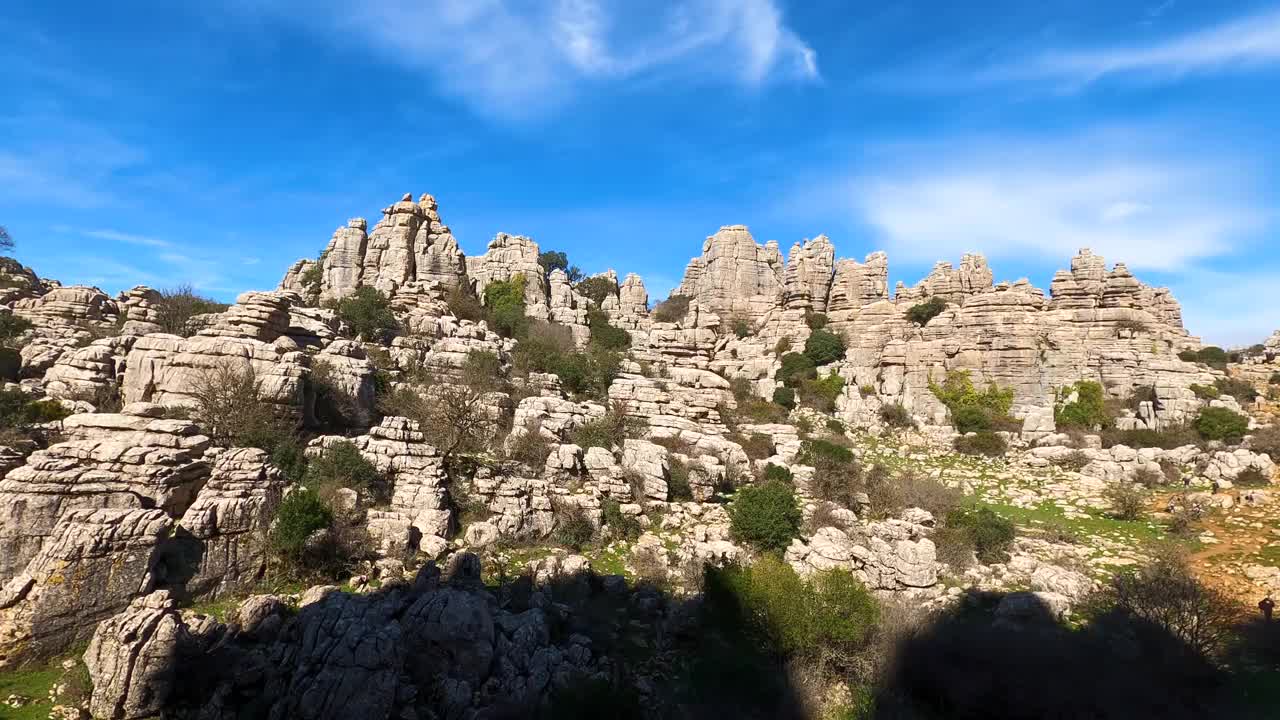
(410, 483)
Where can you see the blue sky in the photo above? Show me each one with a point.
(155, 143)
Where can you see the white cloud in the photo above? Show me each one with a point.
(513, 59)
(1245, 42)
(1011, 199)
(126, 238)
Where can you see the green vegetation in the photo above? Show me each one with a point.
(984, 442)
(796, 368)
(1168, 438)
(895, 415)
(1206, 392)
(605, 336)
(367, 312)
(11, 327)
(464, 304)
(549, 348)
(820, 394)
(556, 260)
(990, 534)
(622, 526)
(824, 347)
(741, 327)
(342, 466)
(973, 410)
(777, 473)
(1082, 406)
(1128, 502)
(671, 310)
(608, 431)
(1242, 390)
(765, 516)
(179, 305)
(815, 321)
(785, 396)
(678, 486)
(1211, 355)
(597, 288)
(572, 527)
(504, 305)
(1217, 423)
(300, 516)
(18, 411)
(922, 313)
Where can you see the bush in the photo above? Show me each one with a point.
(824, 347)
(971, 410)
(12, 327)
(1087, 411)
(335, 407)
(341, 465)
(18, 411)
(1166, 439)
(825, 619)
(556, 260)
(1266, 441)
(529, 447)
(815, 321)
(820, 394)
(954, 547)
(984, 443)
(178, 305)
(1217, 423)
(922, 313)
(990, 534)
(608, 431)
(233, 410)
(604, 335)
(891, 495)
(835, 427)
(1128, 501)
(1241, 390)
(1211, 355)
(678, 482)
(548, 348)
(796, 368)
(622, 526)
(1252, 477)
(895, 415)
(597, 289)
(464, 304)
(301, 515)
(367, 312)
(1205, 392)
(837, 476)
(1074, 461)
(777, 473)
(671, 310)
(1274, 379)
(573, 528)
(504, 305)
(968, 419)
(765, 516)
(757, 446)
(785, 396)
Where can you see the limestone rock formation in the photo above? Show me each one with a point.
(508, 256)
(808, 275)
(734, 276)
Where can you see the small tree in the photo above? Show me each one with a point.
(368, 313)
(671, 310)
(178, 305)
(504, 303)
(766, 516)
(6, 240)
(1165, 593)
(823, 347)
(1217, 423)
(299, 517)
(597, 289)
(922, 313)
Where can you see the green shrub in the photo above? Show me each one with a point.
(10, 364)
(890, 495)
(982, 443)
(623, 526)
(824, 347)
(895, 415)
(1241, 390)
(785, 396)
(1206, 392)
(556, 260)
(12, 327)
(678, 482)
(1252, 477)
(464, 304)
(573, 529)
(548, 348)
(1211, 355)
(837, 476)
(1274, 379)
(597, 289)
(741, 327)
(821, 393)
(368, 313)
(608, 431)
(796, 368)
(18, 411)
(777, 472)
(758, 446)
(971, 410)
(968, 418)
(604, 335)
(1087, 411)
(671, 310)
(815, 320)
(835, 427)
(765, 516)
(504, 305)
(178, 305)
(1128, 502)
(341, 465)
(1167, 439)
(818, 452)
(1216, 423)
(826, 618)
(1075, 461)
(991, 535)
(922, 313)
(300, 516)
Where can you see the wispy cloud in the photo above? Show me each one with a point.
(1146, 206)
(513, 59)
(127, 238)
(1240, 43)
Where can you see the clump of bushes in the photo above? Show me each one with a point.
(1241, 390)
(815, 320)
(1217, 423)
(777, 472)
(741, 327)
(1128, 502)
(1252, 477)
(895, 415)
(504, 305)
(368, 313)
(464, 304)
(1205, 392)
(678, 486)
(795, 369)
(608, 431)
(821, 393)
(973, 410)
(605, 336)
(672, 310)
(557, 260)
(1211, 355)
(342, 466)
(178, 305)
(990, 534)
(766, 516)
(1167, 439)
(300, 516)
(922, 313)
(984, 443)
(1074, 461)
(823, 347)
(890, 495)
(19, 413)
(1267, 441)
(1082, 406)
(621, 525)
(597, 289)
(549, 348)
(785, 396)
(573, 529)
